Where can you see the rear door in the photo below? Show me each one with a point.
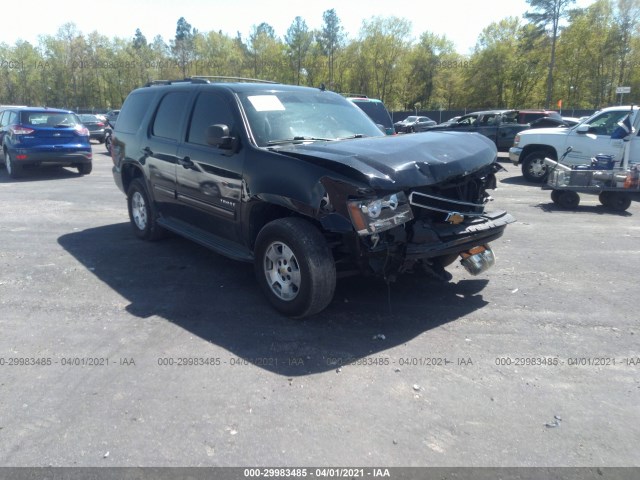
(209, 179)
(7, 118)
(160, 148)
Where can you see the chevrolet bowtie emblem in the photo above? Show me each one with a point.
(455, 218)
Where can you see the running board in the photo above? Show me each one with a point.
(209, 240)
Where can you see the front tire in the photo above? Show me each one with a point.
(533, 167)
(142, 213)
(295, 267)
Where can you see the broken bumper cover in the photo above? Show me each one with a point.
(453, 239)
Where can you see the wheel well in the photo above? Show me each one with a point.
(262, 214)
(548, 151)
(129, 173)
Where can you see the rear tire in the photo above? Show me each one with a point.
(107, 143)
(568, 199)
(295, 267)
(615, 201)
(84, 168)
(13, 170)
(142, 212)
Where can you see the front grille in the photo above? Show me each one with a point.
(436, 202)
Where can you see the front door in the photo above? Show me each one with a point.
(209, 179)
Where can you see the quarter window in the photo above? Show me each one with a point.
(134, 108)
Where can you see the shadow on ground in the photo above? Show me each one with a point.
(219, 300)
(40, 173)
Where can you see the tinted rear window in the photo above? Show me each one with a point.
(133, 111)
(376, 111)
(48, 119)
(169, 115)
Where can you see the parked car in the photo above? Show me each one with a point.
(500, 126)
(33, 136)
(95, 126)
(108, 132)
(303, 184)
(414, 123)
(376, 110)
(549, 122)
(529, 116)
(451, 121)
(590, 137)
(112, 116)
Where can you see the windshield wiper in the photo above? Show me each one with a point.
(299, 140)
(355, 135)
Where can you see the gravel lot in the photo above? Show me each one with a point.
(117, 352)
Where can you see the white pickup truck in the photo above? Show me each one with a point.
(587, 139)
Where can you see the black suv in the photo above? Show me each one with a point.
(303, 184)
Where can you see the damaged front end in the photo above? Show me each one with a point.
(410, 202)
(428, 227)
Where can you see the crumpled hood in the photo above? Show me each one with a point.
(402, 161)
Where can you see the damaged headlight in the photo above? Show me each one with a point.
(379, 214)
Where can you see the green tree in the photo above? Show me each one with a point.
(547, 14)
(182, 46)
(627, 19)
(429, 59)
(331, 38)
(384, 44)
(298, 39)
(266, 53)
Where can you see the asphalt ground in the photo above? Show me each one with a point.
(119, 352)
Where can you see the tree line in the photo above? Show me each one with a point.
(553, 53)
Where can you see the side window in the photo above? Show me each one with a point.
(470, 120)
(606, 123)
(4, 117)
(487, 120)
(134, 109)
(169, 114)
(210, 109)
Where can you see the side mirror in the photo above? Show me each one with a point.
(218, 136)
(582, 129)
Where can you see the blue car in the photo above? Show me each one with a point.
(32, 136)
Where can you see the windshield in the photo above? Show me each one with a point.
(296, 115)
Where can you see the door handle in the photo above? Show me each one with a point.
(185, 162)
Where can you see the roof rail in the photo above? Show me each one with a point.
(171, 82)
(229, 79)
(357, 95)
(205, 79)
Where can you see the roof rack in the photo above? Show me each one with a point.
(171, 82)
(230, 79)
(205, 79)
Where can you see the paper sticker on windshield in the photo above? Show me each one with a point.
(266, 103)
